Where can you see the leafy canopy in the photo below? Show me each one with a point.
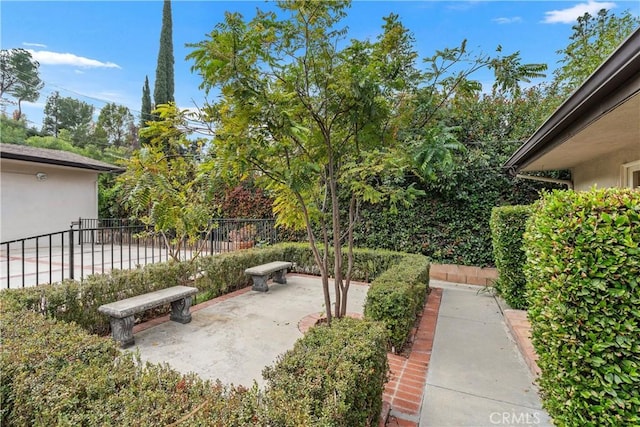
(325, 124)
(166, 183)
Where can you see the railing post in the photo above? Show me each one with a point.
(71, 266)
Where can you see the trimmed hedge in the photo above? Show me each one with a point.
(583, 273)
(397, 297)
(507, 227)
(54, 373)
(336, 374)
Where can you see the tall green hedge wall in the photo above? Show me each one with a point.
(507, 227)
(583, 273)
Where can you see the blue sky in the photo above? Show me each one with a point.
(101, 51)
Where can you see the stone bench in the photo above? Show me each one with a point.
(261, 274)
(122, 312)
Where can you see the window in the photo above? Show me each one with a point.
(631, 174)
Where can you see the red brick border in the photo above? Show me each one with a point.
(408, 374)
(481, 276)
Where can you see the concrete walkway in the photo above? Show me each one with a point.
(476, 376)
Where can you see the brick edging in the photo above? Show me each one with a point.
(466, 274)
(408, 376)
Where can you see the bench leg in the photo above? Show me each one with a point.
(280, 276)
(260, 284)
(180, 310)
(122, 330)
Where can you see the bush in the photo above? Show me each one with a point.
(54, 373)
(78, 302)
(583, 273)
(336, 374)
(507, 227)
(397, 297)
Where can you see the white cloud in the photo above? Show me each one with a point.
(571, 14)
(34, 44)
(512, 20)
(57, 58)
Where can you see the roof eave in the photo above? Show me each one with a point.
(57, 162)
(621, 66)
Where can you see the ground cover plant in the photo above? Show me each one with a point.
(583, 275)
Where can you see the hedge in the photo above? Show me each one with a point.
(397, 297)
(54, 373)
(507, 227)
(219, 274)
(583, 274)
(336, 374)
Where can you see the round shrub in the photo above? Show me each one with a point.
(583, 273)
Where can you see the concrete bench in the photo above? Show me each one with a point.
(261, 274)
(122, 312)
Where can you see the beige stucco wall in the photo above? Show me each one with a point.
(30, 207)
(603, 171)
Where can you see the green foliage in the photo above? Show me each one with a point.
(55, 374)
(594, 38)
(583, 270)
(19, 77)
(336, 374)
(397, 297)
(77, 302)
(145, 110)
(507, 227)
(164, 83)
(72, 115)
(166, 184)
(116, 122)
(12, 131)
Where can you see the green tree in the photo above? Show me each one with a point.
(19, 77)
(168, 190)
(309, 121)
(69, 114)
(594, 38)
(116, 121)
(164, 83)
(326, 129)
(12, 131)
(145, 109)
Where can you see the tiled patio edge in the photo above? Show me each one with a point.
(520, 329)
(403, 392)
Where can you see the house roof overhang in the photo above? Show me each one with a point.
(54, 157)
(600, 117)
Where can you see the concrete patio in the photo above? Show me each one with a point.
(464, 367)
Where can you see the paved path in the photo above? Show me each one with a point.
(476, 376)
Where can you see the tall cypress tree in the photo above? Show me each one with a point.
(164, 84)
(145, 110)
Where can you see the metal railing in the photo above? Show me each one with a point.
(97, 246)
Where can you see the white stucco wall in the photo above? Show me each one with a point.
(30, 207)
(604, 171)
